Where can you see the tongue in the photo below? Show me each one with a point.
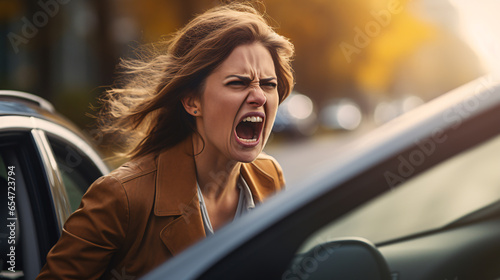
(245, 130)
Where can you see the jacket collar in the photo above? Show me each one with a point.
(176, 194)
(261, 184)
(176, 180)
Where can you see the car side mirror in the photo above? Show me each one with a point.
(346, 259)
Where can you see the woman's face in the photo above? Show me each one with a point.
(239, 104)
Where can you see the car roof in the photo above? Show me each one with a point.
(18, 103)
(458, 105)
(25, 97)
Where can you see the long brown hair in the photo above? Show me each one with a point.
(147, 111)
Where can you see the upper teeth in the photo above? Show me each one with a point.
(252, 119)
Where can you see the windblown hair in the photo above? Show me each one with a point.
(147, 110)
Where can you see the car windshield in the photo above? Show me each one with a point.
(454, 188)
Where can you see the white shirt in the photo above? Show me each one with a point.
(245, 204)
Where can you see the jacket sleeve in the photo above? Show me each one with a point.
(91, 235)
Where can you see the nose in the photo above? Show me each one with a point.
(256, 97)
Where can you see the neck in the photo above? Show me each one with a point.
(216, 175)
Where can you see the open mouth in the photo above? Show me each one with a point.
(249, 129)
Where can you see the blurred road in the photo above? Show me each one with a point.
(298, 158)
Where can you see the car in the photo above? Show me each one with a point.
(296, 116)
(341, 114)
(46, 164)
(417, 198)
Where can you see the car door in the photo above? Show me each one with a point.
(44, 170)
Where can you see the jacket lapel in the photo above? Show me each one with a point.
(184, 230)
(176, 196)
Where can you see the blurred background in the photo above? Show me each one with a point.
(358, 63)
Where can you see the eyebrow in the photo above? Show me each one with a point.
(249, 80)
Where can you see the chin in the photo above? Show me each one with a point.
(246, 157)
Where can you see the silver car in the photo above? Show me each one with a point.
(46, 164)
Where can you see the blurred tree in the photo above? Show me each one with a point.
(347, 47)
(317, 27)
(106, 49)
(9, 9)
(389, 51)
(158, 18)
(366, 47)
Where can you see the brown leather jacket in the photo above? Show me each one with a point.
(142, 214)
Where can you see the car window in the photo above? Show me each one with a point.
(9, 232)
(454, 188)
(76, 169)
(19, 242)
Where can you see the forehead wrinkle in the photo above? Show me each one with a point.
(252, 74)
(244, 62)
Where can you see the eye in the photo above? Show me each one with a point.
(236, 83)
(269, 85)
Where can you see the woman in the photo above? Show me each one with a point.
(203, 111)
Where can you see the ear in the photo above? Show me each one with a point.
(192, 105)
